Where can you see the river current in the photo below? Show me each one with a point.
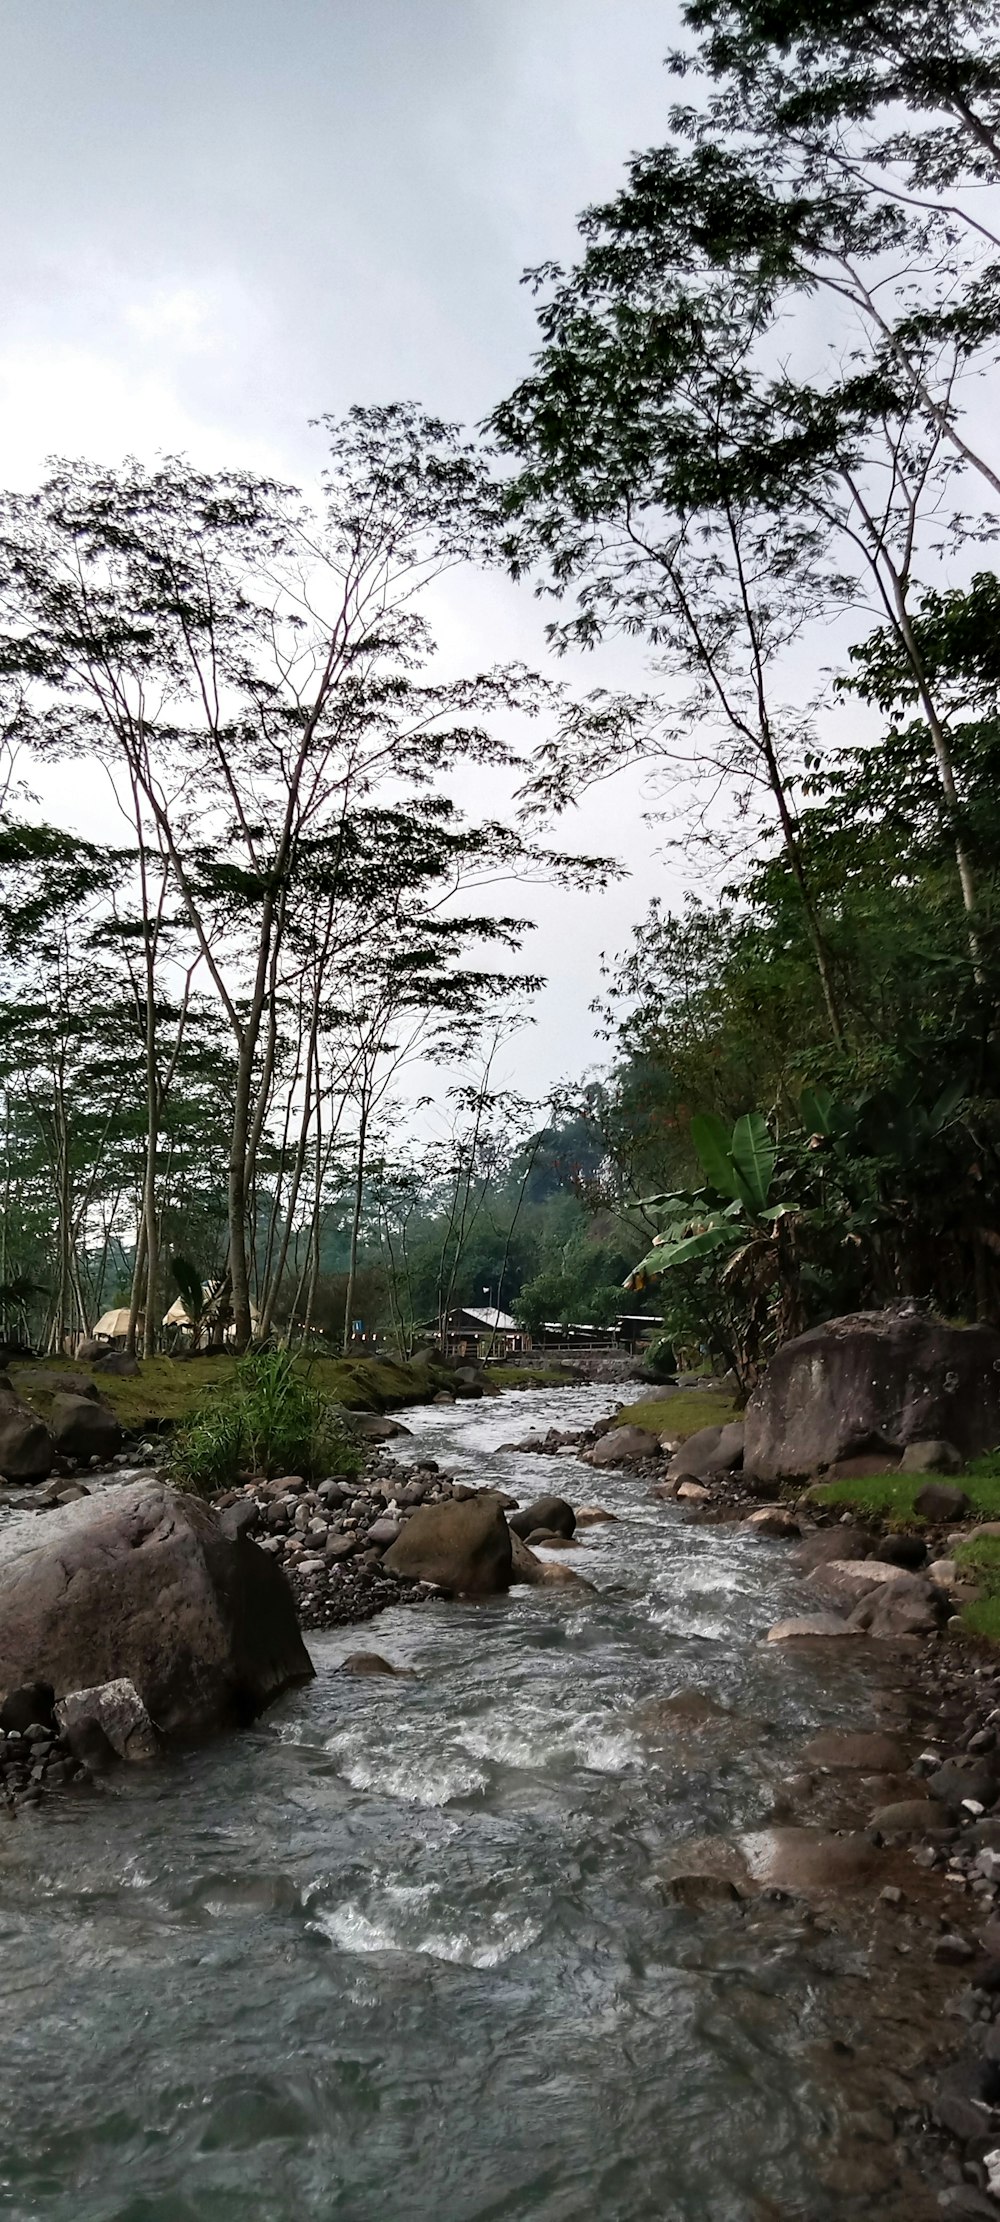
(398, 1951)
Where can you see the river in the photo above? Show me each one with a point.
(398, 1951)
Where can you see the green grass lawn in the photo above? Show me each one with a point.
(681, 1414)
(890, 1496)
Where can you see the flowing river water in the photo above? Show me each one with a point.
(398, 1952)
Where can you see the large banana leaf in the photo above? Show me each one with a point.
(712, 1141)
(753, 1155)
(664, 1255)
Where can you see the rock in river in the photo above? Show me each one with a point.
(141, 1582)
(623, 1444)
(84, 1427)
(26, 1447)
(552, 1513)
(462, 1546)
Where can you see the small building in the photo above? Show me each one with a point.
(477, 1335)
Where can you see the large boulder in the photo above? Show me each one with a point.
(621, 1445)
(84, 1427)
(524, 1566)
(462, 1546)
(908, 1606)
(141, 1583)
(552, 1513)
(26, 1447)
(710, 1450)
(874, 1381)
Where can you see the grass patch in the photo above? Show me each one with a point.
(171, 1389)
(269, 1419)
(891, 1496)
(981, 1555)
(680, 1414)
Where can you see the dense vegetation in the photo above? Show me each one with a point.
(754, 443)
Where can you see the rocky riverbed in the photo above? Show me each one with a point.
(654, 1867)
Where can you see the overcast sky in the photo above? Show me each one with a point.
(225, 216)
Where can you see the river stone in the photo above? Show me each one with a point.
(370, 1662)
(556, 1576)
(710, 1450)
(799, 1859)
(384, 1531)
(547, 1512)
(82, 1427)
(589, 1515)
(772, 1522)
(939, 1501)
(26, 1447)
(874, 1380)
(815, 1627)
(965, 1776)
(525, 1568)
(872, 1753)
(833, 1543)
(699, 1891)
(909, 1551)
(462, 1546)
(933, 1456)
(851, 1578)
(807, 1858)
(114, 1710)
(141, 1582)
(623, 1444)
(21, 1708)
(909, 1606)
(909, 1817)
(375, 1428)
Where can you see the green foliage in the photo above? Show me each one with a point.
(270, 1419)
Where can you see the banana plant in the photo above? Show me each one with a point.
(739, 1167)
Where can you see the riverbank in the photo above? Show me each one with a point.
(151, 1396)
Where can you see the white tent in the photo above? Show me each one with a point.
(112, 1326)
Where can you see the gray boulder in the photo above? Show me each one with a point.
(931, 1456)
(623, 1444)
(26, 1447)
(373, 1427)
(84, 1427)
(940, 1501)
(462, 1546)
(908, 1606)
(141, 1582)
(874, 1381)
(552, 1513)
(712, 1450)
(113, 1711)
(525, 1568)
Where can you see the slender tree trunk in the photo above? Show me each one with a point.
(359, 1191)
(138, 1273)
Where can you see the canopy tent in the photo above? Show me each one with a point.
(112, 1326)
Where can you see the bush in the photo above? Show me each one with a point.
(269, 1419)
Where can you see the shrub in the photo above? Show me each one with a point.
(270, 1419)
